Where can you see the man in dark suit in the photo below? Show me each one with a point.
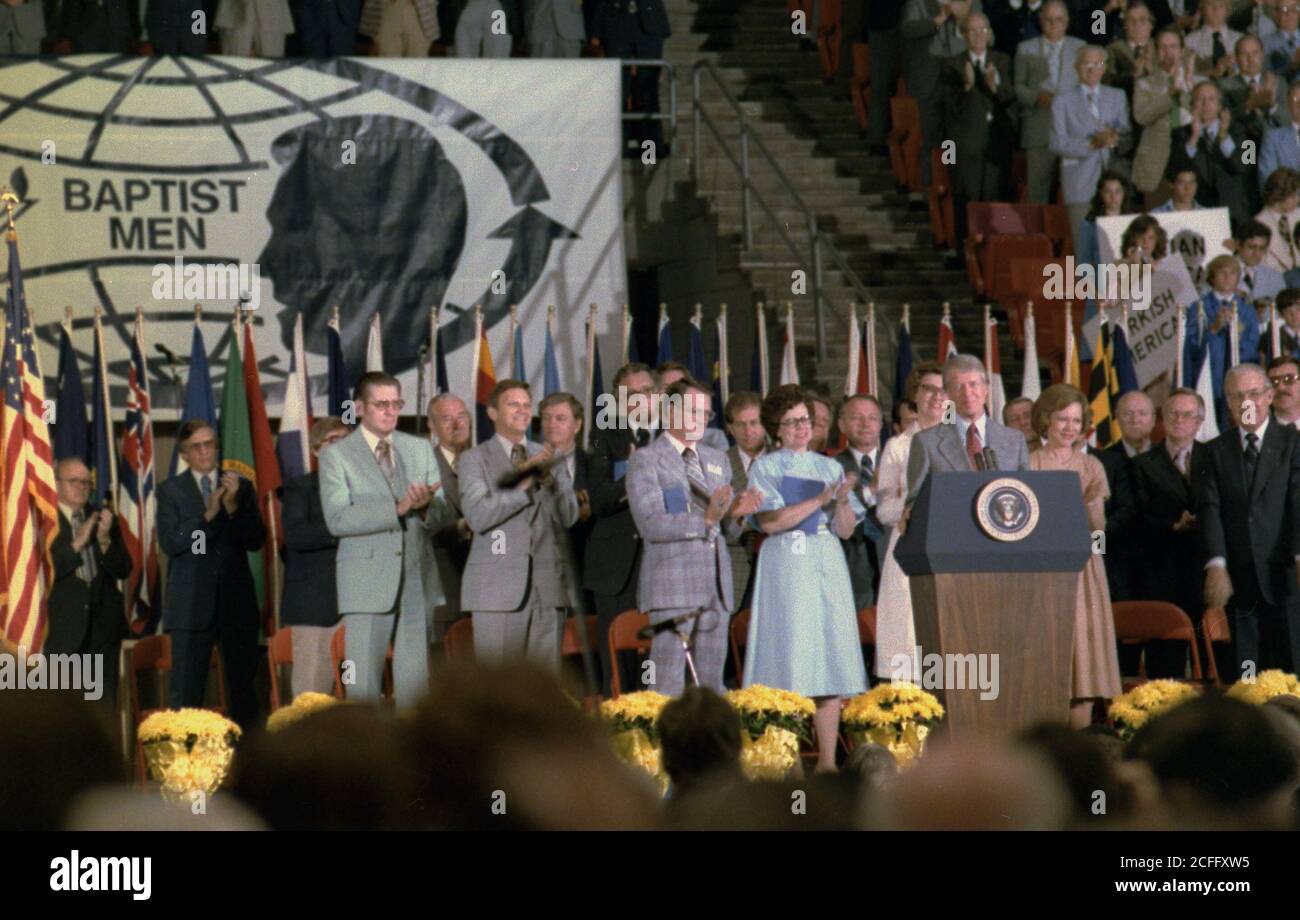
(1248, 517)
(860, 419)
(1165, 527)
(450, 423)
(328, 28)
(310, 601)
(208, 523)
(561, 416)
(93, 26)
(86, 612)
(634, 29)
(743, 415)
(980, 97)
(1211, 145)
(170, 26)
(1137, 418)
(1013, 24)
(880, 20)
(611, 563)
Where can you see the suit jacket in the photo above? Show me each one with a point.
(613, 24)
(581, 530)
(1201, 42)
(1153, 100)
(86, 617)
(686, 563)
(346, 11)
(1172, 564)
(1255, 527)
(94, 27)
(1277, 58)
(1012, 27)
(1121, 64)
(1032, 77)
(1236, 93)
(1266, 283)
(864, 550)
(521, 538)
(613, 544)
(380, 553)
(450, 544)
(940, 449)
(1072, 127)
(565, 18)
(1221, 180)
(310, 596)
(1279, 148)
(273, 16)
(201, 586)
(1122, 552)
(980, 119)
(925, 46)
(1283, 248)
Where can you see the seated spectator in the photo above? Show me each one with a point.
(701, 741)
(401, 28)
(1114, 197)
(1288, 310)
(22, 26)
(1082, 763)
(1282, 48)
(1284, 375)
(1090, 131)
(1213, 41)
(253, 28)
(1259, 282)
(1280, 147)
(1255, 97)
(1161, 102)
(1221, 764)
(555, 28)
(1211, 146)
(326, 28)
(1221, 302)
(1182, 196)
(1280, 214)
(1132, 57)
(94, 27)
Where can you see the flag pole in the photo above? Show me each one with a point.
(589, 407)
(873, 369)
(724, 363)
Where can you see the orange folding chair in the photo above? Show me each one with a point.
(623, 638)
(1137, 622)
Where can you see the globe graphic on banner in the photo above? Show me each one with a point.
(335, 163)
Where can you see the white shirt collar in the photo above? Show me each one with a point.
(214, 477)
(1241, 432)
(858, 455)
(508, 446)
(449, 456)
(681, 445)
(67, 511)
(981, 428)
(372, 439)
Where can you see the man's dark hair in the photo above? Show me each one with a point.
(686, 385)
(1287, 297)
(632, 367)
(666, 366)
(1253, 229)
(508, 384)
(701, 737)
(739, 401)
(556, 399)
(193, 427)
(373, 379)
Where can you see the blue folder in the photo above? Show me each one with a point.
(796, 489)
(675, 500)
(620, 469)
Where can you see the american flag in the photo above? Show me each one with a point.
(137, 498)
(30, 515)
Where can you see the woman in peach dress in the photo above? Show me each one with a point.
(1061, 415)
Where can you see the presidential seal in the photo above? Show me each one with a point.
(1007, 509)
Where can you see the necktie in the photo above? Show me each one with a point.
(205, 487)
(85, 571)
(1219, 50)
(972, 444)
(1092, 104)
(868, 468)
(384, 455)
(1251, 457)
(1284, 231)
(1182, 464)
(695, 473)
(518, 457)
(1250, 281)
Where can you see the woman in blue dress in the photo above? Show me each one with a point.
(803, 628)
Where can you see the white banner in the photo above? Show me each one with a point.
(379, 185)
(1197, 236)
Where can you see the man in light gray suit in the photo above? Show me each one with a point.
(449, 421)
(1044, 70)
(379, 494)
(951, 447)
(1090, 132)
(686, 566)
(22, 26)
(516, 581)
(555, 28)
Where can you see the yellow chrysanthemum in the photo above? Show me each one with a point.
(303, 705)
(1265, 686)
(1130, 711)
(772, 756)
(892, 704)
(179, 724)
(758, 698)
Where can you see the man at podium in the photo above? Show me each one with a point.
(973, 439)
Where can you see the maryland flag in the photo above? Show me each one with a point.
(1103, 389)
(482, 379)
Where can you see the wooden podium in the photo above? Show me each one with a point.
(994, 560)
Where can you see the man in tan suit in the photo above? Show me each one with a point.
(743, 414)
(1161, 101)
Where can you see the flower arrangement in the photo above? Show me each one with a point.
(898, 716)
(303, 705)
(772, 756)
(633, 720)
(1130, 711)
(1265, 686)
(760, 706)
(188, 750)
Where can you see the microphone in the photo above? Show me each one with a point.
(655, 629)
(989, 458)
(167, 352)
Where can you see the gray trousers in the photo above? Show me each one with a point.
(474, 35)
(535, 632)
(1040, 168)
(366, 643)
(708, 637)
(884, 58)
(313, 670)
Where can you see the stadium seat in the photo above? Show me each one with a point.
(860, 85)
(279, 651)
(986, 220)
(623, 638)
(1137, 622)
(905, 139)
(1214, 629)
(739, 637)
(1027, 287)
(943, 220)
(1056, 224)
(999, 252)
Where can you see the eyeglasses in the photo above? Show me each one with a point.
(800, 422)
(1177, 416)
(201, 445)
(383, 405)
(78, 482)
(929, 389)
(1255, 394)
(1284, 380)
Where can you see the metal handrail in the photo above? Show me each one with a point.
(671, 115)
(816, 239)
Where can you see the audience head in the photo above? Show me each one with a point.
(1086, 768)
(669, 372)
(904, 415)
(1018, 414)
(561, 420)
(822, 413)
(744, 418)
(378, 398)
(1137, 418)
(1114, 196)
(1144, 240)
(1183, 186)
(1249, 395)
(1062, 415)
(701, 739)
(510, 407)
(1250, 55)
(1053, 19)
(860, 419)
(966, 382)
(1206, 102)
(73, 481)
(978, 33)
(639, 381)
(197, 441)
(1169, 48)
(1252, 243)
(1288, 307)
(873, 764)
(1287, 14)
(1293, 101)
(324, 432)
(1138, 23)
(1182, 413)
(1284, 375)
(1214, 13)
(449, 421)
(1223, 274)
(688, 409)
(1220, 763)
(1282, 190)
(1090, 63)
(788, 415)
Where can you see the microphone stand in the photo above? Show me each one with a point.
(678, 626)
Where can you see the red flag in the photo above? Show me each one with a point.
(267, 469)
(485, 379)
(947, 340)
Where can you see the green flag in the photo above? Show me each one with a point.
(237, 443)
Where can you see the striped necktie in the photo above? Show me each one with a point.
(85, 571)
(695, 473)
